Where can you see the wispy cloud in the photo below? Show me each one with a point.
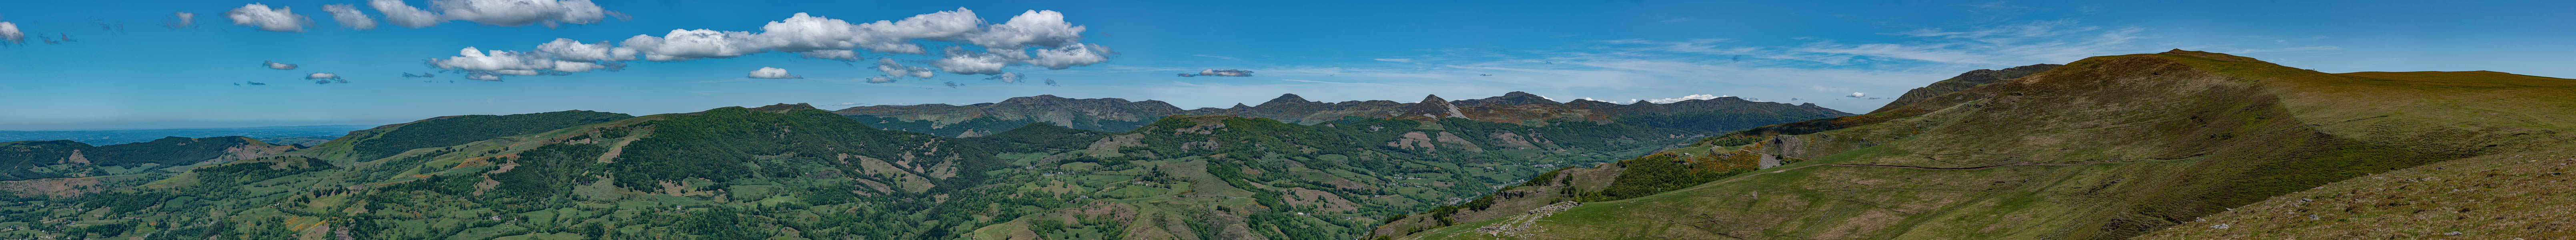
(2052, 41)
(1329, 82)
(1657, 70)
(2288, 49)
(1220, 73)
(1685, 98)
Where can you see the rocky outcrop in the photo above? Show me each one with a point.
(1432, 107)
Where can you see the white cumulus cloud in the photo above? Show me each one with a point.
(9, 31)
(961, 61)
(281, 19)
(497, 62)
(1032, 38)
(683, 45)
(277, 65)
(569, 50)
(1038, 28)
(349, 16)
(1069, 56)
(507, 13)
(772, 73)
(512, 13)
(403, 14)
(1857, 95)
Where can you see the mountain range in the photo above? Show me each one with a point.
(2172, 145)
(1112, 114)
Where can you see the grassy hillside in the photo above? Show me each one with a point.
(2104, 148)
(1671, 169)
(1222, 177)
(2497, 196)
(1964, 81)
(453, 130)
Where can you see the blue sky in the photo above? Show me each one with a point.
(125, 67)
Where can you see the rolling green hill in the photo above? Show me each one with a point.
(124, 136)
(63, 158)
(451, 130)
(2104, 148)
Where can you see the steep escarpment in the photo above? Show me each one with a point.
(2104, 148)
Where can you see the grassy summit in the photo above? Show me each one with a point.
(2104, 148)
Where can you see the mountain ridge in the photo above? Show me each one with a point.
(1115, 114)
(2107, 147)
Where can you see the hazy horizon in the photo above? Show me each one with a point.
(100, 65)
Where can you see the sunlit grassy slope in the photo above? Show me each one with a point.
(2103, 148)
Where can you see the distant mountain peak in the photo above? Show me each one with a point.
(1510, 98)
(783, 107)
(1434, 98)
(2211, 55)
(1290, 98)
(1035, 99)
